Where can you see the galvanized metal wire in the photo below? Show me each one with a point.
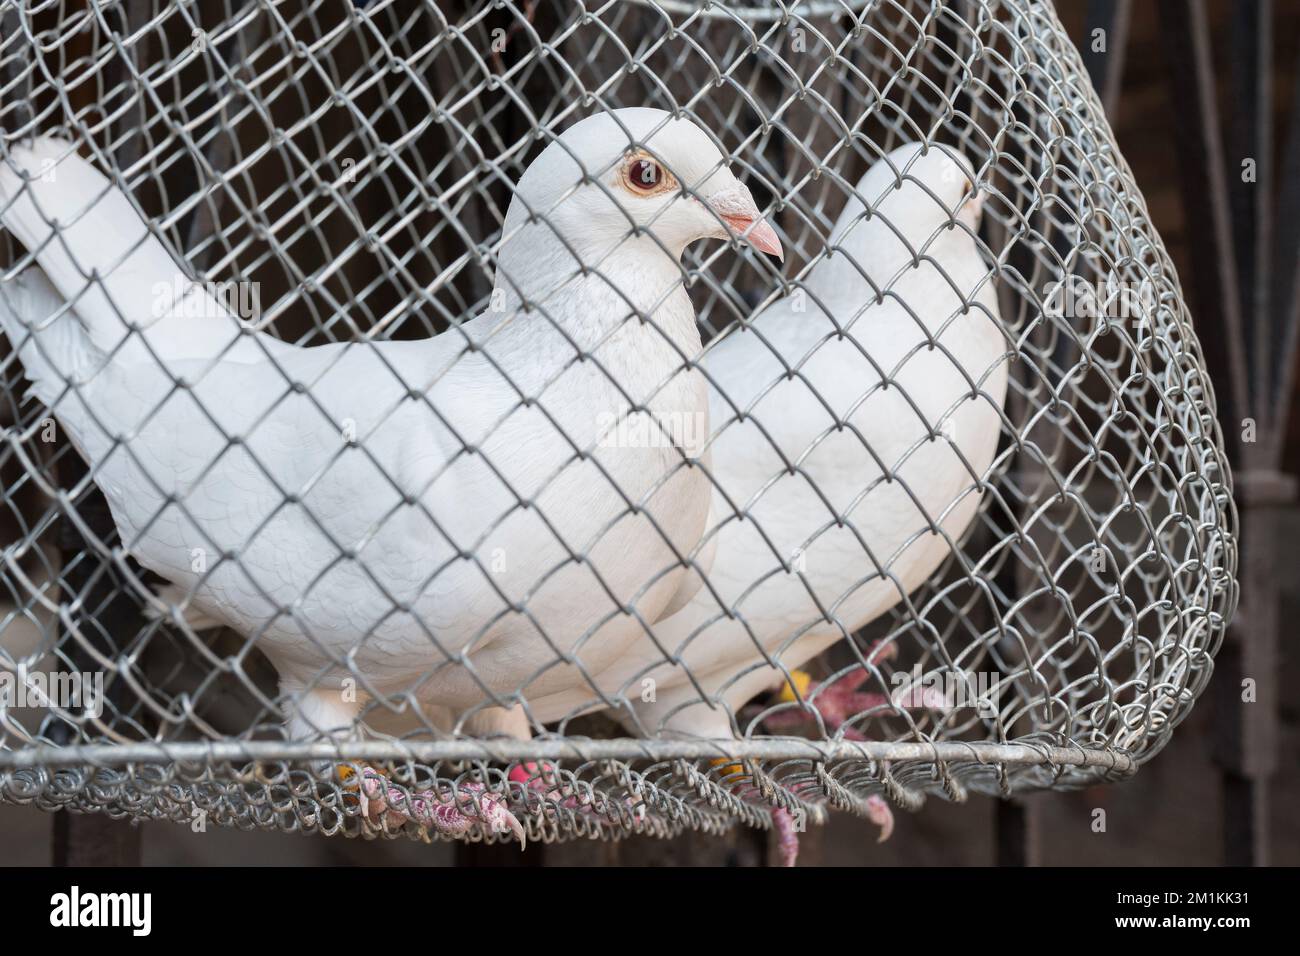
(356, 160)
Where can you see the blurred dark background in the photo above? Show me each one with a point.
(1181, 80)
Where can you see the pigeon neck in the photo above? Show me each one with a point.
(855, 271)
(540, 283)
(629, 321)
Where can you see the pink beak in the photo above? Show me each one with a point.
(737, 209)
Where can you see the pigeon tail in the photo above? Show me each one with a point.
(136, 304)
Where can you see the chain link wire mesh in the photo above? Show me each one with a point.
(355, 164)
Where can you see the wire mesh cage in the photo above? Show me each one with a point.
(944, 508)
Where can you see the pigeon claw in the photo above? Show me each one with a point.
(879, 813)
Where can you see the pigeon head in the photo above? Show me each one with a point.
(921, 189)
(915, 201)
(630, 180)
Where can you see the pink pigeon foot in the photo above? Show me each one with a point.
(837, 702)
(787, 839)
(471, 806)
(546, 781)
(840, 701)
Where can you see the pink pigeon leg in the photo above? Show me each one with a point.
(787, 839)
(455, 815)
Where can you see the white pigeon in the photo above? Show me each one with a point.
(853, 472)
(854, 421)
(391, 510)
